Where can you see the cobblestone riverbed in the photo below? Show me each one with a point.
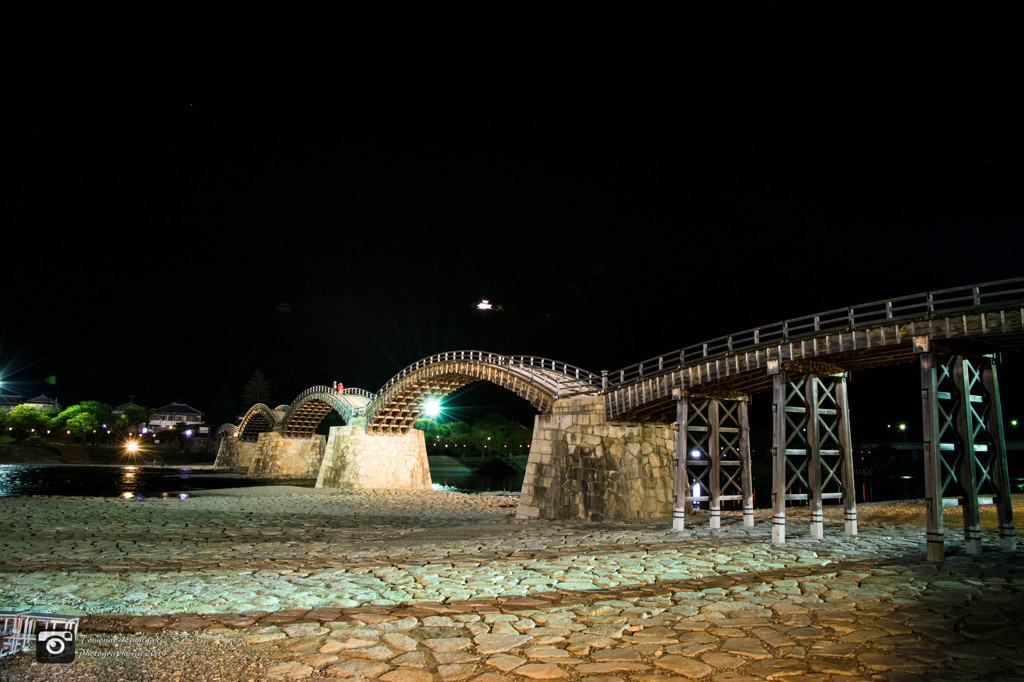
(296, 583)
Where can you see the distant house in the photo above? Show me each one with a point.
(119, 412)
(9, 400)
(175, 413)
(41, 401)
(121, 409)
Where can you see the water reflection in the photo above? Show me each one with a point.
(128, 482)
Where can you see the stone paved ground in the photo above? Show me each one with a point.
(290, 583)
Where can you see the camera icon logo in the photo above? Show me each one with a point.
(55, 646)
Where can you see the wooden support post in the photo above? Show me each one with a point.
(936, 549)
(779, 384)
(747, 480)
(846, 445)
(679, 488)
(968, 473)
(814, 458)
(715, 457)
(999, 465)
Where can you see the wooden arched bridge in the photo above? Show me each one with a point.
(704, 389)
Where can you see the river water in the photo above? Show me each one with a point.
(103, 480)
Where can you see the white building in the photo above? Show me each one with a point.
(173, 414)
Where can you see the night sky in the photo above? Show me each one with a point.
(167, 250)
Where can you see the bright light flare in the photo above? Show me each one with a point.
(431, 408)
(484, 304)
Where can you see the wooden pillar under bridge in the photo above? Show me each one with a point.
(968, 473)
(846, 445)
(779, 386)
(715, 455)
(932, 445)
(964, 443)
(813, 458)
(747, 474)
(679, 487)
(812, 454)
(712, 456)
(1000, 477)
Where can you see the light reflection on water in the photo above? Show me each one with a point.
(131, 481)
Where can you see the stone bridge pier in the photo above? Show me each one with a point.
(273, 456)
(235, 453)
(582, 466)
(355, 458)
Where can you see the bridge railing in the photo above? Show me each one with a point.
(348, 410)
(524, 363)
(915, 306)
(330, 389)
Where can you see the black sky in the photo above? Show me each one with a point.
(149, 247)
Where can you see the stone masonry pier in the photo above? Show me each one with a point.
(273, 456)
(356, 459)
(582, 466)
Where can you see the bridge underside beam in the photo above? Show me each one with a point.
(964, 444)
(251, 430)
(303, 423)
(812, 459)
(399, 415)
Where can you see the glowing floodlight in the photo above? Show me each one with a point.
(484, 304)
(132, 446)
(431, 408)
(695, 453)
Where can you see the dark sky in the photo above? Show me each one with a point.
(148, 247)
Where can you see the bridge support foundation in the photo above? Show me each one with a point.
(280, 457)
(582, 467)
(712, 457)
(964, 444)
(356, 459)
(235, 454)
(812, 451)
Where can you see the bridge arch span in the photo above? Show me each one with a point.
(258, 419)
(225, 431)
(301, 418)
(539, 381)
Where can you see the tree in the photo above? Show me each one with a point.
(128, 422)
(222, 409)
(256, 389)
(20, 420)
(100, 412)
(81, 425)
(491, 434)
(84, 418)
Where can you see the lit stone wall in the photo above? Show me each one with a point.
(582, 467)
(235, 453)
(357, 459)
(280, 457)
